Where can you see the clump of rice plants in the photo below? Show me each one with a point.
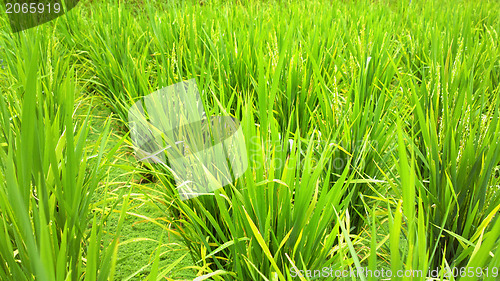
(47, 173)
(371, 127)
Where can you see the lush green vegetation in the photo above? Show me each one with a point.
(372, 131)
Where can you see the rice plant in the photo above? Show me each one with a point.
(49, 173)
(371, 130)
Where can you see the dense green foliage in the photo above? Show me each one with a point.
(372, 130)
(48, 173)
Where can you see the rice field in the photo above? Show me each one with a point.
(371, 132)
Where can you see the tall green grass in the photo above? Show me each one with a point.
(48, 174)
(371, 127)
